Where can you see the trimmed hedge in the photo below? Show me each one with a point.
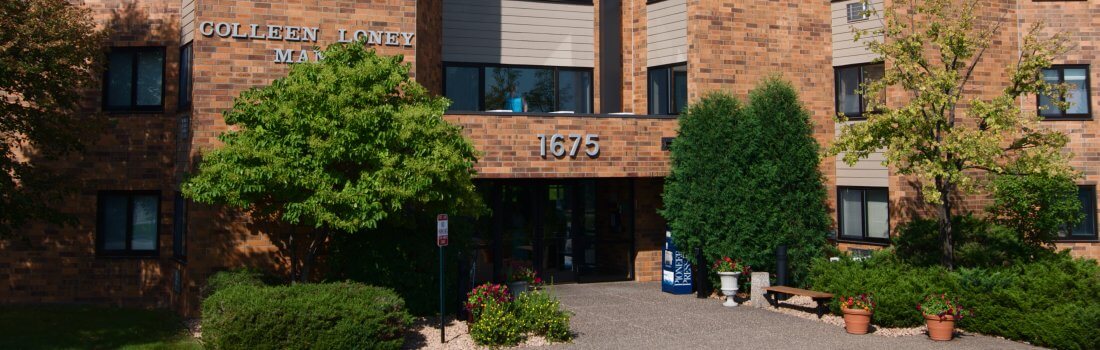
(1050, 302)
(304, 316)
(226, 279)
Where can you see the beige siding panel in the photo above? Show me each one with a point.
(845, 50)
(518, 32)
(865, 172)
(187, 21)
(666, 32)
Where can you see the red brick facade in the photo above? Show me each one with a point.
(732, 45)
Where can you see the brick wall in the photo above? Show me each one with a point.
(58, 264)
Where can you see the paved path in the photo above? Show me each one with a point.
(630, 315)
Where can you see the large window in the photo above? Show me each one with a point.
(864, 214)
(187, 56)
(667, 89)
(480, 87)
(849, 80)
(1086, 230)
(134, 80)
(127, 223)
(1077, 77)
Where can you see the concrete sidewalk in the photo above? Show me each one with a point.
(631, 315)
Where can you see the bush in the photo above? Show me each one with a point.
(1051, 301)
(497, 325)
(978, 243)
(745, 180)
(541, 314)
(225, 279)
(1037, 207)
(304, 316)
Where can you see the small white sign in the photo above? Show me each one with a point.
(441, 238)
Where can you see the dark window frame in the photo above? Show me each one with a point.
(133, 107)
(481, 82)
(862, 9)
(1094, 237)
(837, 93)
(863, 200)
(670, 98)
(1061, 68)
(179, 227)
(186, 77)
(127, 252)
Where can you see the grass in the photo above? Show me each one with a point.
(90, 327)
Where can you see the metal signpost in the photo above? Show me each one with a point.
(441, 240)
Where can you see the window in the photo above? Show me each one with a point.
(483, 87)
(127, 223)
(857, 11)
(848, 83)
(134, 79)
(1077, 77)
(179, 227)
(187, 57)
(864, 214)
(667, 89)
(1086, 230)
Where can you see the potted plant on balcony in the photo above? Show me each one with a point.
(940, 314)
(728, 270)
(857, 312)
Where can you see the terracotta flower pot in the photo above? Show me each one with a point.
(856, 321)
(940, 328)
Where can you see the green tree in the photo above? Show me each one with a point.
(338, 146)
(947, 134)
(49, 51)
(1037, 207)
(745, 180)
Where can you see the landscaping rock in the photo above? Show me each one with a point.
(760, 281)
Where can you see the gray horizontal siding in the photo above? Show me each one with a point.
(845, 50)
(518, 32)
(666, 32)
(187, 21)
(865, 172)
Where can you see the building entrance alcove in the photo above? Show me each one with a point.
(568, 230)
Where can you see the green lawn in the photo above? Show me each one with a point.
(88, 327)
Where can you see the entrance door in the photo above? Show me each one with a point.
(568, 230)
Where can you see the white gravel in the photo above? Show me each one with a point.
(424, 334)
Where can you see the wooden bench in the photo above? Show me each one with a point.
(772, 295)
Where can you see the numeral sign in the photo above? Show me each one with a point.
(559, 145)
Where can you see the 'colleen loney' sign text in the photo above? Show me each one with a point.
(298, 33)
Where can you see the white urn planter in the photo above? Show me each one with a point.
(729, 286)
(517, 288)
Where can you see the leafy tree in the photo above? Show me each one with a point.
(1037, 207)
(49, 50)
(946, 135)
(338, 146)
(745, 180)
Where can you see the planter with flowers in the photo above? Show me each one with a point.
(857, 312)
(940, 314)
(483, 295)
(728, 270)
(523, 278)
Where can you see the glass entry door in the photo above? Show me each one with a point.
(568, 230)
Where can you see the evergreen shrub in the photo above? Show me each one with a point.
(745, 179)
(304, 316)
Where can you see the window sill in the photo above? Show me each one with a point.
(117, 256)
(1061, 119)
(133, 111)
(863, 242)
(566, 115)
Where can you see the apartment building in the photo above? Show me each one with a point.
(572, 104)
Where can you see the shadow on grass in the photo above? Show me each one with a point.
(90, 327)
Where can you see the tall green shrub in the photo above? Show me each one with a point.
(304, 316)
(745, 180)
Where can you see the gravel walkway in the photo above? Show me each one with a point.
(631, 315)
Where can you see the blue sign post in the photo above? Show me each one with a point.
(675, 269)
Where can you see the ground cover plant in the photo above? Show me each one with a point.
(343, 315)
(1049, 300)
(500, 320)
(91, 327)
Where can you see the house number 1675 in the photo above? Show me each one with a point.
(559, 146)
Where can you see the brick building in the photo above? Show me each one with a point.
(608, 76)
